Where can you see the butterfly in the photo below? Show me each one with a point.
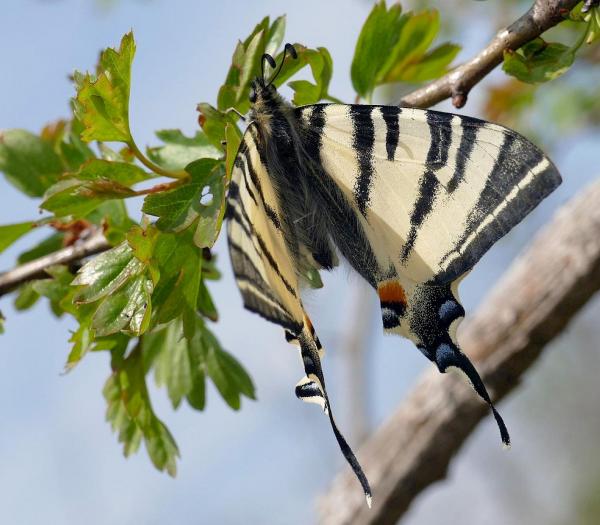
(411, 199)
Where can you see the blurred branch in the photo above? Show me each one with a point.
(530, 306)
(35, 269)
(457, 84)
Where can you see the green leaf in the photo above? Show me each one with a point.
(212, 202)
(2, 319)
(130, 411)
(180, 150)
(97, 181)
(233, 139)
(432, 65)
(78, 199)
(393, 47)
(28, 162)
(26, 297)
(180, 266)
(205, 305)
(123, 173)
(172, 365)
(213, 122)
(58, 290)
(12, 232)
(227, 374)
(179, 207)
(129, 308)
(321, 66)
(538, 61)
(82, 340)
(377, 38)
(415, 37)
(106, 273)
(275, 35)
(112, 216)
(102, 101)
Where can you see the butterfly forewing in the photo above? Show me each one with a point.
(434, 190)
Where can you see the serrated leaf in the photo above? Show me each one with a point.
(102, 101)
(130, 411)
(211, 209)
(227, 374)
(172, 365)
(82, 340)
(123, 173)
(180, 266)
(538, 61)
(72, 197)
(28, 162)
(127, 309)
(180, 207)
(106, 273)
(180, 150)
(10, 233)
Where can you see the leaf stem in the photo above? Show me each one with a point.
(178, 174)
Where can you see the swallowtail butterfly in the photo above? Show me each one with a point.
(412, 199)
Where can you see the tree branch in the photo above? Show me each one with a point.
(36, 269)
(530, 306)
(457, 84)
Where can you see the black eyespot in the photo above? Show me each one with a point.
(252, 95)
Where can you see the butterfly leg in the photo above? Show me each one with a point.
(311, 389)
(429, 316)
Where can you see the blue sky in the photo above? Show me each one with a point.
(59, 462)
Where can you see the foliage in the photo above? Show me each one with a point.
(146, 301)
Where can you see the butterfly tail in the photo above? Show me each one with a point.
(311, 389)
(449, 355)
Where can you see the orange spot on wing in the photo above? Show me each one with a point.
(392, 292)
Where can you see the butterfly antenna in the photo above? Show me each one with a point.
(271, 62)
(289, 48)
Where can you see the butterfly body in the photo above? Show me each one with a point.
(412, 199)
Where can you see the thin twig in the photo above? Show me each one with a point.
(457, 84)
(531, 305)
(36, 269)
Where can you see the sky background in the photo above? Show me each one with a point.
(59, 461)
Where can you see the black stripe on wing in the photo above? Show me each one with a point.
(363, 140)
(392, 129)
(343, 223)
(440, 131)
(256, 182)
(520, 179)
(469, 129)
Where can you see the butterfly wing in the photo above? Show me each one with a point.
(415, 199)
(433, 191)
(266, 274)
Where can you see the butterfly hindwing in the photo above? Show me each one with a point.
(267, 273)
